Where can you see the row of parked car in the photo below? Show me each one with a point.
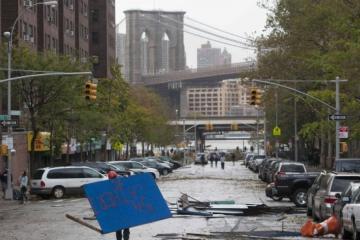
(67, 180)
(323, 193)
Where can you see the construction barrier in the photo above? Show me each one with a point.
(329, 226)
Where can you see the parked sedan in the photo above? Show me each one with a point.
(136, 167)
(351, 218)
(104, 168)
(162, 168)
(169, 159)
(332, 184)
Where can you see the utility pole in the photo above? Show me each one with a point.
(184, 139)
(295, 130)
(257, 131)
(337, 123)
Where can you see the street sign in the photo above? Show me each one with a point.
(343, 132)
(5, 123)
(337, 117)
(4, 117)
(277, 131)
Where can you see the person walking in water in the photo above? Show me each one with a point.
(222, 160)
(23, 187)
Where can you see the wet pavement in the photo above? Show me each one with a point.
(46, 219)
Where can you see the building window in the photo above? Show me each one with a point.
(95, 37)
(95, 15)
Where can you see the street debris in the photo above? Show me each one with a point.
(195, 207)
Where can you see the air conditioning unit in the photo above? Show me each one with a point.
(32, 39)
(26, 37)
(85, 13)
(49, 19)
(67, 31)
(72, 33)
(71, 7)
(28, 3)
(87, 36)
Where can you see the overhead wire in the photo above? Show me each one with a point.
(220, 30)
(207, 32)
(201, 36)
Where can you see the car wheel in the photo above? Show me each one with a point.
(300, 197)
(165, 172)
(58, 192)
(277, 198)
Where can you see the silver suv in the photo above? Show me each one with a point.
(330, 185)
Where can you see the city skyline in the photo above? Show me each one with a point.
(245, 19)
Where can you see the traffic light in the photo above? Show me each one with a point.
(344, 147)
(90, 91)
(234, 127)
(255, 98)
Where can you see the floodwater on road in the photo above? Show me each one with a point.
(40, 220)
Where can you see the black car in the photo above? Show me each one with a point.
(176, 164)
(103, 167)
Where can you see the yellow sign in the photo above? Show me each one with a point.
(277, 131)
(42, 141)
(118, 146)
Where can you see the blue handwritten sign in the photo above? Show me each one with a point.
(126, 202)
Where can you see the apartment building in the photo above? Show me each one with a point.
(25, 31)
(102, 36)
(82, 29)
(208, 56)
(48, 28)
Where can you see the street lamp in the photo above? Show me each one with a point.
(9, 37)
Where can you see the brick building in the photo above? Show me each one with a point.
(82, 29)
(102, 36)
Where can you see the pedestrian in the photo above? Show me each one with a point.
(3, 180)
(202, 159)
(211, 159)
(216, 159)
(233, 158)
(222, 160)
(23, 179)
(122, 234)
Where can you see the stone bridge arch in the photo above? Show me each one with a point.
(155, 24)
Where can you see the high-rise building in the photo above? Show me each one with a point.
(120, 49)
(66, 27)
(82, 29)
(26, 27)
(102, 36)
(48, 28)
(208, 56)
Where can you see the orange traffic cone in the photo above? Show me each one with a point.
(330, 225)
(307, 230)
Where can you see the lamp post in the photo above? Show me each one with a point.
(9, 37)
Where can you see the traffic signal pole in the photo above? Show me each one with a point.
(336, 108)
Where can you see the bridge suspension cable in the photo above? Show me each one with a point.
(220, 30)
(202, 36)
(210, 33)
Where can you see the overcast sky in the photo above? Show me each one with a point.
(241, 17)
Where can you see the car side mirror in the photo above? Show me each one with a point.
(345, 199)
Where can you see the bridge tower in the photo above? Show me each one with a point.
(154, 43)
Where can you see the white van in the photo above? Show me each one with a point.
(59, 181)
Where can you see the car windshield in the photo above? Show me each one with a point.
(292, 168)
(340, 183)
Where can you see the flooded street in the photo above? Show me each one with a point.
(46, 219)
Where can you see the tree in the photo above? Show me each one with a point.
(313, 40)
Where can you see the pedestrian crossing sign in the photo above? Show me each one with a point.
(277, 131)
